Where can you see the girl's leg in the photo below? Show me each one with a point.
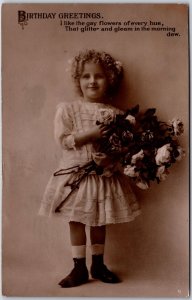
(79, 274)
(98, 234)
(98, 269)
(77, 233)
(78, 239)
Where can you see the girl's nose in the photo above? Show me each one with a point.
(92, 79)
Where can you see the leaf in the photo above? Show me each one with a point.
(150, 112)
(134, 110)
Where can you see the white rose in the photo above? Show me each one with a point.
(106, 115)
(131, 119)
(161, 173)
(130, 171)
(142, 184)
(177, 126)
(137, 156)
(163, 154)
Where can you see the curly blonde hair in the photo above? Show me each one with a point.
(113, 69)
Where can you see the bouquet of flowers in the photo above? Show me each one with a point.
(143, 145)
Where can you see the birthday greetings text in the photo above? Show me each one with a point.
(95, 22)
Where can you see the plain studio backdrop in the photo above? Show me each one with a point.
(149, 254)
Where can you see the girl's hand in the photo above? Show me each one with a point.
(91, 135)
(98, 132)
(101, 159)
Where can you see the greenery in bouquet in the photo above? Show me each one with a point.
(143, 145)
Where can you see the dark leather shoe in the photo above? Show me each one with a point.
(100, 271)
(79, 275)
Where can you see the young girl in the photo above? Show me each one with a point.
(98, 200)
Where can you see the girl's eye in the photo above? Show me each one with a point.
(99, 76)
(85, 76)
(96, 76)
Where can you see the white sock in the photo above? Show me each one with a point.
(97, 249)
(78, 251)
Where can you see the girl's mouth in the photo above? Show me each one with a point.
(92, 86)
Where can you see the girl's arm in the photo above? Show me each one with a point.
(91, 135)
(64, 130)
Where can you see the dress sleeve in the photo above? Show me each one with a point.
(63, 126)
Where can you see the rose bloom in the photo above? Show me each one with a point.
(131, 119)
(127, 136)
(130, 171)
(114, 140)
(177, 126)
(137, 156)
(147, 136)
(106, 116)
(142, 184)
(161, 173)
(163, 154)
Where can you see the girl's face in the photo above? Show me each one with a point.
(93, 82)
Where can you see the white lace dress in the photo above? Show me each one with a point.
(99, 200)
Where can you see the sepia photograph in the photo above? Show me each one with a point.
(95, 139)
